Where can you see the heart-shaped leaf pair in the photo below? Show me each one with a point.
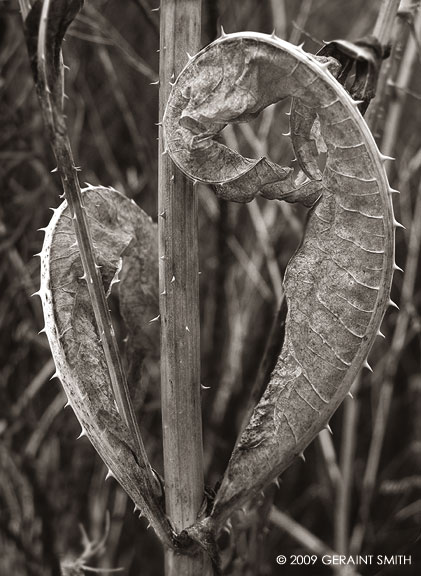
(337, 285)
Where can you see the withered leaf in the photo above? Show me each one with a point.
(337, 284)
(125, 244)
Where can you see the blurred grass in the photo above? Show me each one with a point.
(48, 482)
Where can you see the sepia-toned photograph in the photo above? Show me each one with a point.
(210, 287)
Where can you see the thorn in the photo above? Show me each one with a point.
(286, 133)
(301, 455)
(67, 404)
(397, 224)
(356, 103)
(367, 365)
(148, 526)
(329, 429)
(136, 509)
(301, 46)
(82, 433)
(163, 257)
(350, 395)
(37, 254)
(162, 214)
(66, 67)
(203, 387)
(324, 66)
(55, 375)
(155, 319)
(109, 474)
(42, 331)
(223, 34)
(384, 158)
(164, 293)
(395, 267)
(189, 56)
(380, 333)
(277, 483)
(156, 83)
(273, 35)
(166, 149)
(36, 293)
(394, 191)
(155, 9)
(173, 280)
(54, 170)
(187, 329)
(172, 178)
(391, 303)
(171, 84)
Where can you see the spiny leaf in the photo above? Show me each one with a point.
(124, 237)
(337, 284)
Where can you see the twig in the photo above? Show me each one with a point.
(300, 23)
(44, 424)
(279, 17)
(179, 302)
(33, 388)
(299, 533)
(385, 20)
(329, 456)
(344, 488)
(402, 83)
(377, 109)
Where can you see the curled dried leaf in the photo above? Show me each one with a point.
(124, 240)
(337, 284)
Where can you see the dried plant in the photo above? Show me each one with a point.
(100, 248)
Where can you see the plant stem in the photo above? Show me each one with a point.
(403, 80)
(385, 20)
(179, 303)
(344, 487)
(377, 109)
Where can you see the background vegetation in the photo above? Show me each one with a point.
(359, 491)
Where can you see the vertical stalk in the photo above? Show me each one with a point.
(179, 302)
(385, 20)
